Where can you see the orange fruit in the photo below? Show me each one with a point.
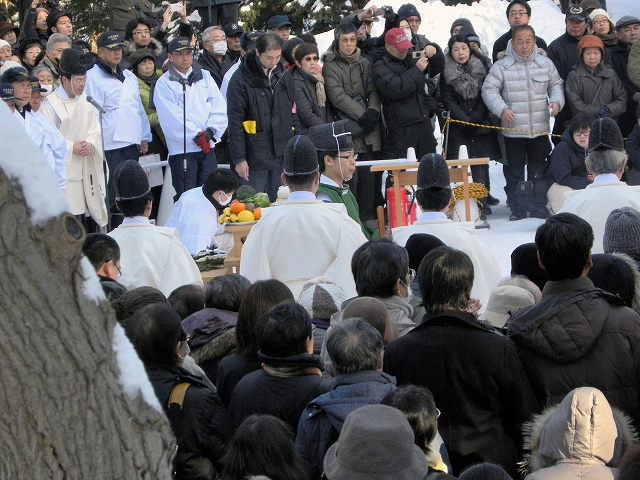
(257, 213)
(245, 216)
(238, 207)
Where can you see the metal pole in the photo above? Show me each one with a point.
(184, 125)
(106, 176)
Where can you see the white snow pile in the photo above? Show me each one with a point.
(133, 376)
(22, 161)
(91, 285)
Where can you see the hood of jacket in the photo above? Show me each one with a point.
(510, 54)
(582, 428)
(465, 79)
(565, 327)
(351, 391)
(128, 47)
(567, 137)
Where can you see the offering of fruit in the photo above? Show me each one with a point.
(238, 207)
(245, 216)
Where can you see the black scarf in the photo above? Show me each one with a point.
(109, 71)
(194, 76)
(151, 83)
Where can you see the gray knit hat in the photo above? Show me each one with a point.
(322, 299)
(622, 232)
(300, 157)
(605, 135)
(130, 181)
(332, 137)
(504, 301)
(433, 172)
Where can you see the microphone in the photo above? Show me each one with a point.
(95, 104)
(178, 78)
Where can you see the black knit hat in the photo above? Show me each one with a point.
(139, 55)
(72, 62)
(418, 245)
(469, 33)
(332, 137)
(408, 10)
(130, 181)
(524, 261)
(300, 157)
(605, 135)
(460, 22)
(433, 172)
(613, 274)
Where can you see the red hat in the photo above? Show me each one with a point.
(590, 41)
(398, 39)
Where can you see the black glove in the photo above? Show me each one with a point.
(368, 121)
(389, 14)
(604, 112)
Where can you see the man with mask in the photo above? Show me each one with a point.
(214, 58)
(69, 111)
(187, 82)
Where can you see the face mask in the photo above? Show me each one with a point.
(48, 88)
(220, 48)
(226, 202)
(409, 292)
(407, 33)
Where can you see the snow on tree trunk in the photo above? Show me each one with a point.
(64, 413)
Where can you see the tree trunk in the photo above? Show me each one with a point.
(64, 414)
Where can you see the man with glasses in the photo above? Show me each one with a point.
(104, 254)
(337, 161)
(433, 197)
(280, 25)
(186, 85)
(69, 111)
(214, 58)
(518, 13)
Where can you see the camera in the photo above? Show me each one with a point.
(418, 54)
(381, 11)
(176, 7)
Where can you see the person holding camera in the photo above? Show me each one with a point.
(400, 79)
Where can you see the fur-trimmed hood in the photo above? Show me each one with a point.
(129, 47)
(633, 265)
(216, 349)
(465, 79)
(582, 430)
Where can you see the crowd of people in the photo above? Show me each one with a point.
(335, 353)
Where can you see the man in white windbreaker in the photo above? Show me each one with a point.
(206, 115)
(125, 123)
(525, 90)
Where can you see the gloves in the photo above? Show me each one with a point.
(604, 112)
(203, 138)
(368, 120)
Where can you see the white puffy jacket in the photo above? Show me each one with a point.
(526, 86)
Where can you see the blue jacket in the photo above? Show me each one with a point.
(322, 420)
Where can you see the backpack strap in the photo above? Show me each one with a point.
(177, 395)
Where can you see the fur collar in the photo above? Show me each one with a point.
(633, 265)
(217, 348)
(465, 79)
(129, 47)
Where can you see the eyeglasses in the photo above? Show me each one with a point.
(438, 416)
(582, 134)
(348, 157)
(411, 274)
(519, 13)
(182, 53)
(600, 22)
(119, 271)
(78, 80)
(141, 32)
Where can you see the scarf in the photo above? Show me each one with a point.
(353, 58)
(151, 83)
(318, 79)
(109, 71)
(609, 40)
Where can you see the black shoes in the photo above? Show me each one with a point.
(517, 215)
(542, 213)
(491, 200)
(486, 210)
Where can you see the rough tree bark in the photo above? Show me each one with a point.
(63, 415)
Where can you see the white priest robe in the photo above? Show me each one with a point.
(153, 256)
(594, 203)
(461, 236)
(301, 240)
(76, 121)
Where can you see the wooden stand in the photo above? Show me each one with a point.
(239, 233)
(402, 175)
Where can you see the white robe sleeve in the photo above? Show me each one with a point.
(58, 146)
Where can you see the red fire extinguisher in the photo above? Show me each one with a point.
(408, 208)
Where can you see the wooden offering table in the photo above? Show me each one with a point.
(239, 232)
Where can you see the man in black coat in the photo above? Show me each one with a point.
(518, 13)
(260, 102)
(400, 81)
(474, 373)
(628, 29)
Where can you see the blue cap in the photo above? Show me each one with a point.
(7, 93)
(35, 85)
(278, 21)
(179, 43)
(109, 40)
(15, 74)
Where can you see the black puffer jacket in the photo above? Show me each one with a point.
(564, 54)
(579, 335)
(202, 428)
(567, 163)
(619, 61)
(252, 96)
(310, 114)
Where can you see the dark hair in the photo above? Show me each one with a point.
(289, 47)
(520, 28)
(485, 471)
(371, 310)
(344, 28)
(155, 331)
(81, 44)
(269, 41)
(354, 346)
(132, 24)
(99, 248)
(219, 179)
(283, 330)
(308, 38)
(257, 299)
(136, 207)
(433, 198)
(300, 182)
(28, 43)
(225, 292)
(305, 49)
(377, 265)
(445, 277)
(629, 466)
(457, 38)
(133, 300)
(524, 3)
(262, 445)
(564, 242)
(417, 404)
(581, 121)
(187, 299)
(321, 164)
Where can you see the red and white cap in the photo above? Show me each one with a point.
(398, 39)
